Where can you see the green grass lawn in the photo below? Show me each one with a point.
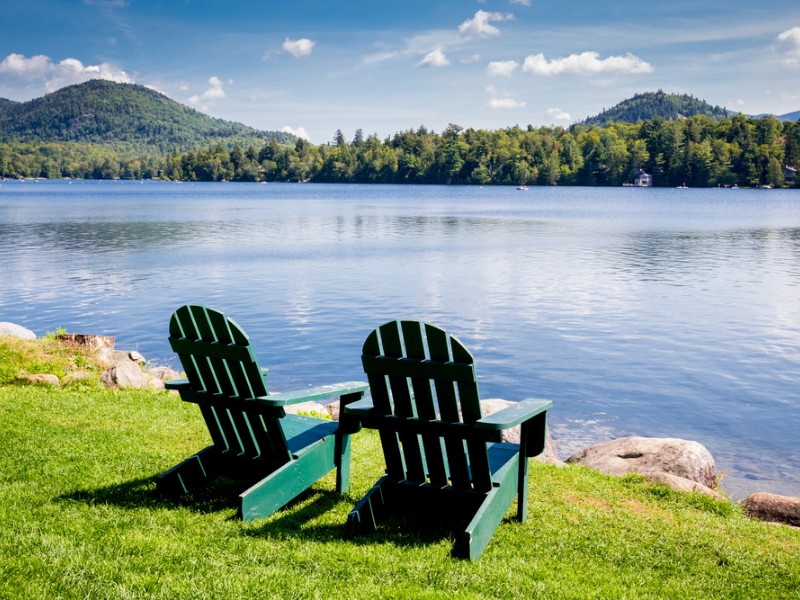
(79, 518)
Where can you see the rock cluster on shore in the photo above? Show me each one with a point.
(682, 465)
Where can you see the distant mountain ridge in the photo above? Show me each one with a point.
(792, 116)
(658, 104)
(125, 117)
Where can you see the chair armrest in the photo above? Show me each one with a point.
(176, 384)
(518, 413)
(359, 408)
(315, 393)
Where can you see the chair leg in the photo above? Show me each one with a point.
(287, 482)
(191, 474)
(522, 478)
(342, 462)
(366, 515)
(471, 542)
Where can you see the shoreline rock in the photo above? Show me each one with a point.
(88, 340)
(17, 331)
(681, 464)
(41, 379)
(773, 508)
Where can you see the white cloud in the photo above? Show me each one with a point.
(210, 97)
(379, 57)
(521, 2)
(788, 42)
(558, 114)
(505, 103)
(30, 68)
(57, 75)
(585, 63)
(480, 24)
(299, 132)
(298, 48)
(436, 58)
(71, 71)
(501, 68)
(473, 58)
(107, 3)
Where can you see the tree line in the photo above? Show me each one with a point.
(698, 151)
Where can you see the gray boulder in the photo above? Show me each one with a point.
(41, 379)
(773, 508)
(164, 373)
(128, 374)
(656, 458)
(17, 331)
(110, 357)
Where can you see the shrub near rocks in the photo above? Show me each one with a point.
(65, 359)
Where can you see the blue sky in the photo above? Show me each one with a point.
(312, 67)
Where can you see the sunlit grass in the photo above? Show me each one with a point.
(80, 518)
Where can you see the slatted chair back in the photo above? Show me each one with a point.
(223, 374)
(418, 373)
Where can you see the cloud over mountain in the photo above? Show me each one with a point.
(585, 63)
(57, 75)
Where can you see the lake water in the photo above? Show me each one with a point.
(655, 312)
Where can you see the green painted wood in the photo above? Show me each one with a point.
(379, 390)
(473, 540)
(515, 414)
(317, 393)
(443, 458)
(446, 395)
(288, 481)
(392, 342)
(253, 437)
(433, 449)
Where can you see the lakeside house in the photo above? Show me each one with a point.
(789, 175)
(642, 179)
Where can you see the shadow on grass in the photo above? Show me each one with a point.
(298, 519)
(218, 496)
(403, 531)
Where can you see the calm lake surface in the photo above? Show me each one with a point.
(655, 312)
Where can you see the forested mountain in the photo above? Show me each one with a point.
(657, 104)
(6, 104)
(126, 118)
(699, 151)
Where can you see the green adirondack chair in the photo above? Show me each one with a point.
(276, 455)
(443, 459)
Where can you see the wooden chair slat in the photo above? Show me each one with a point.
(392, 342)
(434, 456)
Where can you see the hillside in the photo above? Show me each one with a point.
(792, 116)
(122, 117)
(6, 104)
(657, 104)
